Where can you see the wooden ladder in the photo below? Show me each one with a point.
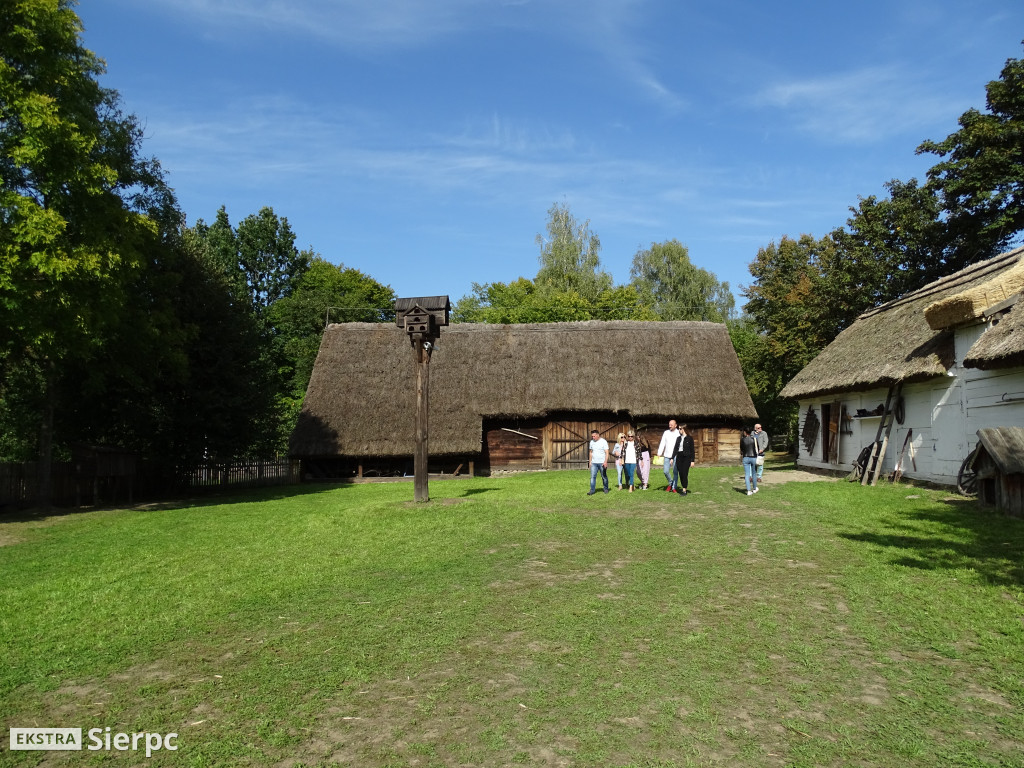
(874, 465)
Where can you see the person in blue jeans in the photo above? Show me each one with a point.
(598, 461)
(748, 450)
(762, 447)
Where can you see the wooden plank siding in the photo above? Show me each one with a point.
(563, 441)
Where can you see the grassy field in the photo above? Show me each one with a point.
(514, 621)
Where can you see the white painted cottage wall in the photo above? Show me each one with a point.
(944, 413)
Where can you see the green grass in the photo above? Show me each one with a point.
(513, 621)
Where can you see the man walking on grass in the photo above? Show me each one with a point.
(665, 449)
(598, 461)
(762, 447)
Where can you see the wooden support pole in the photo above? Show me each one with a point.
(421, 492)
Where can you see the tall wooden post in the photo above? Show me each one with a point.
(422, 318)
(421, 492)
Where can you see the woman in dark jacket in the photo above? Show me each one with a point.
(748, 450)
(683, 457)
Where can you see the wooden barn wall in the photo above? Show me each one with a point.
(562, 441)
(1010, 494)
(514, 444)
(944, 415)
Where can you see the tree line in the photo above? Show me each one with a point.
(571, 284)
(119, 324)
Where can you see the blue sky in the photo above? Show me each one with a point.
(423, 141)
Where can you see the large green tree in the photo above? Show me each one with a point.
(523, 301)
(570, 261)
(788, 307)
(324, 293)
(980, 179)
(79, 205)
(675, 288)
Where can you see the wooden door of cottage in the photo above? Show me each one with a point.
(708, 447)
(568, 442)
(830, 415)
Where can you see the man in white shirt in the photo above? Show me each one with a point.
(667, 446)
(598, 461)
(761, 437)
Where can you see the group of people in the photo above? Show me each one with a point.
(632, 457)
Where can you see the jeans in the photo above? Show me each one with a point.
(594, 469)
(760, 469)
(630, 471)
(667, 469)
(750, 472)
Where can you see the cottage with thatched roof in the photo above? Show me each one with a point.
(517, 396)
(953, 351)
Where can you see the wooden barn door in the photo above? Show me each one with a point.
(830, 417)
(568, 442)
(708, 445)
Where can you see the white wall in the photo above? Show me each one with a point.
(944, 413)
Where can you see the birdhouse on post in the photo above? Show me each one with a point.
(422, 318)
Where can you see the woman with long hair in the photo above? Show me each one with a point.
(683, 457)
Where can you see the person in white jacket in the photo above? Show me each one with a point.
(665, 449)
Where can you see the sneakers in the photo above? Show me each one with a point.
(750, 493)
(606, 490)
(591, 493)
(756, 490)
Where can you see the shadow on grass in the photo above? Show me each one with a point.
(957, 535)
(197, 498)
(474, 491)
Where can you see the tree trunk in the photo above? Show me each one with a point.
(44, 466)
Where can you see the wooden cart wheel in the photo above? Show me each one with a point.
(967, 480)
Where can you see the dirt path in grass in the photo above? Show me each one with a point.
(792, 476)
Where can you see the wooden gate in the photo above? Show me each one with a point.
(567, 443)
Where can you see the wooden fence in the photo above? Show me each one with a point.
(78, 483)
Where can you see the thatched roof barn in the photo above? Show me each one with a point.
(951, 358)
(361, 397)
(895, 343)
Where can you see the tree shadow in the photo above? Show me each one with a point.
(474, 491)
(959, 534)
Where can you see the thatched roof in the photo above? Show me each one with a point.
(893, 342)
(361, 397)
(971, 304)
(1005, 446)
(1001, 346)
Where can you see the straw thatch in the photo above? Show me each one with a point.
(893, 342)
(1002, 345)
(1005, 446)
(971, 304)
(361, 397)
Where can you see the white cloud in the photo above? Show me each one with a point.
(865, 106)
(352, 23)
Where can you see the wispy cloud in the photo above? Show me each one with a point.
(865, 106)
(357, 23)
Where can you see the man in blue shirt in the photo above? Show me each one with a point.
(598, 461)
